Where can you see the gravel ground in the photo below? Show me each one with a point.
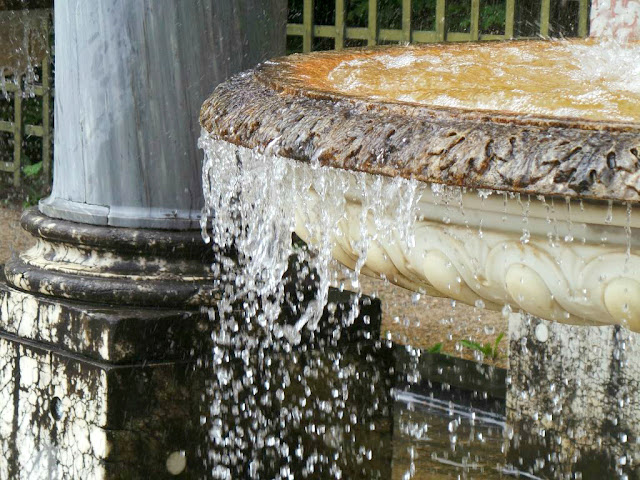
(12, 238)
(428, 321)
(424, 322)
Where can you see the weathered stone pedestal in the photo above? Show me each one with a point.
(122, 408)
(67, 416)
(574, 400)
(107, 374)
(97, 353)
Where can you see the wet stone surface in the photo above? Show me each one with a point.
(108, 265)
(64, 416)
(574, 400)
(113, 334)
(121, 406)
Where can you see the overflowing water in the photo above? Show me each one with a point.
(255, 202)
(305, 386)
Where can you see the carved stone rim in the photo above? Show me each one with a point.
(479, 149)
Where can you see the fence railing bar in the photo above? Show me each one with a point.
(372, 24)
(458, 37)
(441, 11)
(10, 87)
(307, 22)
(395, 35)
(390, 35)
(493, 37)
(424, 36)
(46, 118)
(340, 11)
(583, 18)
(17, 137)
(34, 130)
(6, 166)
(474, 28)
(509, 18)
(545, 12)
(295, 29)
(406, 21)
(37, 90)
(357, 33)
(324, 31)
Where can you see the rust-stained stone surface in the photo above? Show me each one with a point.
(490, 150)
(64, 415)
(585, 421)
(116, 334)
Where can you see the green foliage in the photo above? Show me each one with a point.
(25, 4)
(492, 18)
(458, 16)
(489, 350)
(33, 189)
(357, 13)
(32, 170)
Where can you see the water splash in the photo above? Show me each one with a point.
(263, 384)
(597, 80)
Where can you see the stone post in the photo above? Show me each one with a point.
(619, 20)
(573, 399)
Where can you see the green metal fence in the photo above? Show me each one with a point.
(372, 34)
(19, 129)
(26, 90)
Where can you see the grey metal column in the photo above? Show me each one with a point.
(131, 76)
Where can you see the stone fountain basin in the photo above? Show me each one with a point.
(531, 206)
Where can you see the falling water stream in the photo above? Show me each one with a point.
(287, 396)
(303, 379)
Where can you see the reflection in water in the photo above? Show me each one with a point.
(442, 434)
(345, 404)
